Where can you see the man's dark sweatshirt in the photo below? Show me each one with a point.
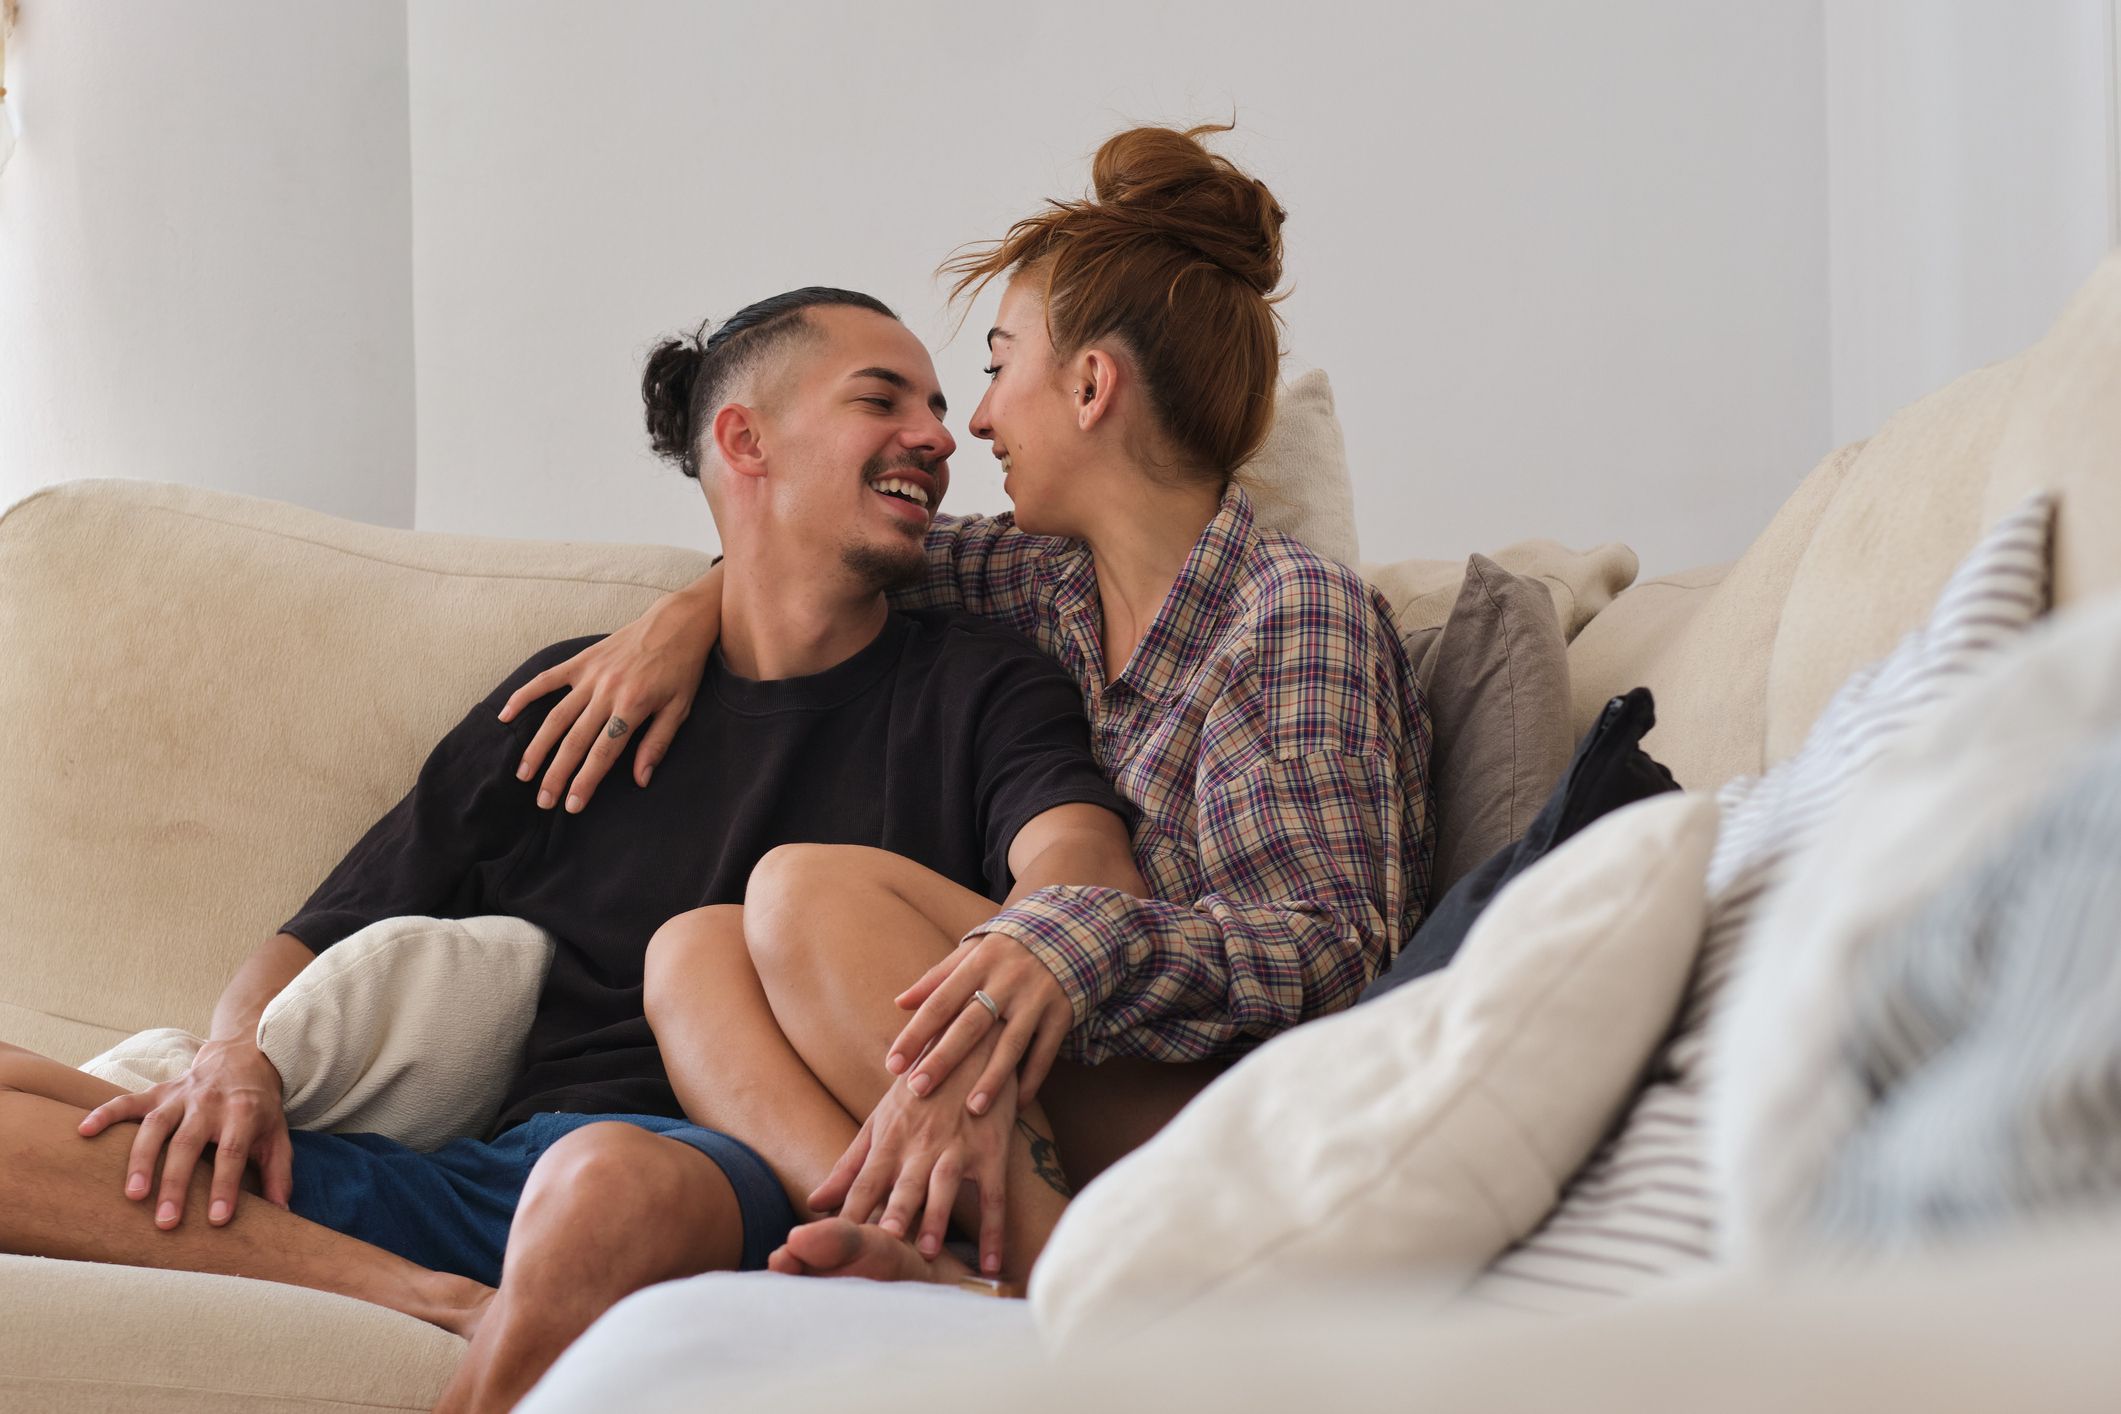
(938, 741)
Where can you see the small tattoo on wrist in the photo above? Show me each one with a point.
(1045, 1160)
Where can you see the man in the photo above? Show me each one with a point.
(814, 421)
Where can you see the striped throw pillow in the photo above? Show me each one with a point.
(1642, 1212)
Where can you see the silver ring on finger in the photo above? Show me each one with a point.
(993, 1007)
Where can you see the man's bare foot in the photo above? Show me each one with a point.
(835, 1247)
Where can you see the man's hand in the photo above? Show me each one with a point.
(912, 1156)
(1034, 1018)
(230, 1098)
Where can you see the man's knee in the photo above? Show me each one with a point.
(634, 1192)
(611, 1169)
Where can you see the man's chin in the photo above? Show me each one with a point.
(887, 567)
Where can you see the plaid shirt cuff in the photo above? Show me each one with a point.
(1078, 931)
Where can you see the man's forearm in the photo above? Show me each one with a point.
(263, 976)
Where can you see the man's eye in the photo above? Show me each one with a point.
(884, 403)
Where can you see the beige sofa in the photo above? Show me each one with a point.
(205, 698)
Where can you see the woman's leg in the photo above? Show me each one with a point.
(731, 1066)
(735, 1068)
(836, 932)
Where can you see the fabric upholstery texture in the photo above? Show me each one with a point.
(1703, 640)
(81, 1338)
(1608, 771)
(228, 692)
(1496, 675)
(1642, 1213)
(1923, 815)
(2023, 1326)
(1425, 1132)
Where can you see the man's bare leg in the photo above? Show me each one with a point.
(62, 1196)
(609, 1209)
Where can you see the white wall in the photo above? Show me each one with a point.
(1973, 185)
(205, 262)
(1566, 263)
(1614, 271)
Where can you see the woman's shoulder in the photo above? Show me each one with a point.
(1290, 595)
(1318, 652)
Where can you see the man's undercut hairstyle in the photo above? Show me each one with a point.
(687, 377)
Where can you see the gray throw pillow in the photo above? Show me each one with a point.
(1496, 675)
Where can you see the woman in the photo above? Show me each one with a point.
(1248, 699)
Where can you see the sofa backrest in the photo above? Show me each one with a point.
(1742, 659)
(206, 698)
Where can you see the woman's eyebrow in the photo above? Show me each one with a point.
(998, 333)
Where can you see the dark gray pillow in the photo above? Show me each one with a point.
(1496, 675)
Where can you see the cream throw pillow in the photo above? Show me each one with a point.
(1298, 479)
(1427, 1130)
(411, 1028)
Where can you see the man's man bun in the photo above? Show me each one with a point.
(666, 394)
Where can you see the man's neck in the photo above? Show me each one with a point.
(774, 628)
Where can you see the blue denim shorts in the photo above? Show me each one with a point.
(450, 1210)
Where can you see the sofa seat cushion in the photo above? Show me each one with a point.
(84, 1338)
(2024, 1325)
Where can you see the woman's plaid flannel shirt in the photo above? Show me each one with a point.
(1270, 737)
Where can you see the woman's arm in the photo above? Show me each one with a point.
(646, 673)
(1311, 865)
(982, 564)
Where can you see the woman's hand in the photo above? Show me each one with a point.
(230, 1098)
(912, 1156)
(647, 672)
(1030, 1008)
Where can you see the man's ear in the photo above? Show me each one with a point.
(1095, 386)
(738, 438)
